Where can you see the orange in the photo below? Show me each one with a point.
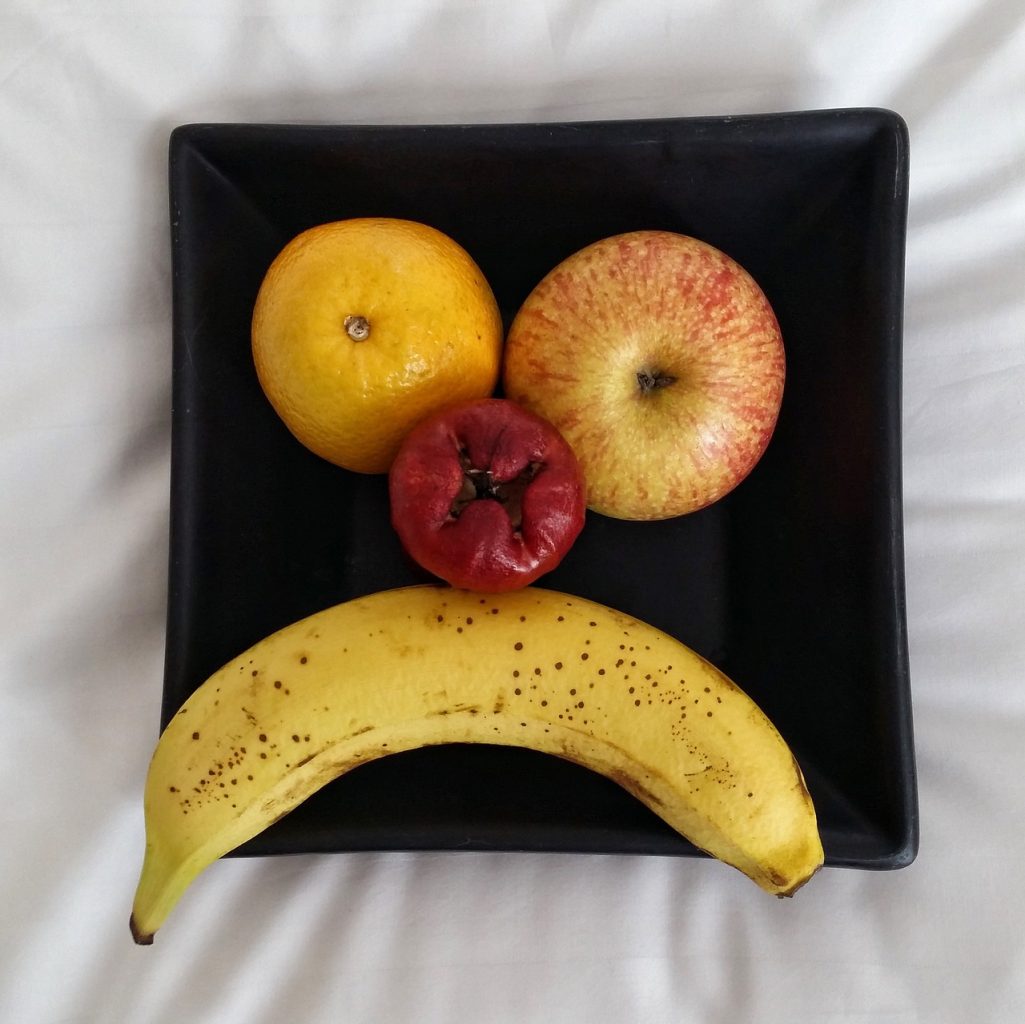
(363, 327)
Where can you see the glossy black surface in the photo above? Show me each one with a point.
(793, 584)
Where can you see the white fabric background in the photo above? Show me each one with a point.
(88, 94)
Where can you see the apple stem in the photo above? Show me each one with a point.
(649, 381)
(357, 327)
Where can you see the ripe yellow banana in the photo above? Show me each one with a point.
(423, 665)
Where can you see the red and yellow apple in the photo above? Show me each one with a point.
(486, 495)
(660, 360)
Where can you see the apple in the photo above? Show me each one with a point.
(486, 495)
(660, 360)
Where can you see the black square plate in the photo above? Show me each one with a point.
(793, 584)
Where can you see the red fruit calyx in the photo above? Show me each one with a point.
(486, 495)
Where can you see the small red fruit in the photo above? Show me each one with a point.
(487, 495)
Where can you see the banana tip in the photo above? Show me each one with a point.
(782, 895)
(141, 938)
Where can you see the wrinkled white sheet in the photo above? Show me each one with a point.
(88, 94)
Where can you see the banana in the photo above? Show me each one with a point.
(424, 665)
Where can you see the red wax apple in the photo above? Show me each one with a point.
(486, 495)
(660, 360)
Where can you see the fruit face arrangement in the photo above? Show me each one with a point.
(645, 375)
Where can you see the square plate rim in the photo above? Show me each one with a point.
(189, 135)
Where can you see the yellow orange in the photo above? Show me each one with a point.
(363, 327)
